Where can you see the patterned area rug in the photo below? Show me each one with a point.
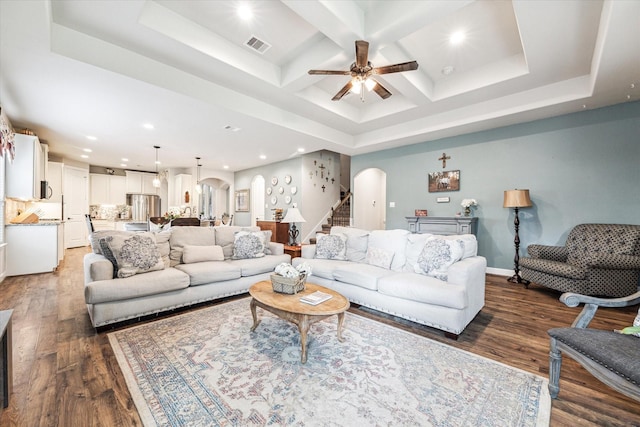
(204, 368)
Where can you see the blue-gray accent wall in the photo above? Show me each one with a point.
(579, 168)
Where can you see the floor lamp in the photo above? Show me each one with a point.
(293, 215)
(517, 199)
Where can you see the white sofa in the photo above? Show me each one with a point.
(187, 275)
(379, 271)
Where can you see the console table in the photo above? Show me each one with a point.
(6, 374)
(445, 225)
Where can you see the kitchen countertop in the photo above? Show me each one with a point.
(40, 223)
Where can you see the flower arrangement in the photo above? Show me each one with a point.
(287, 270)
(467, 204)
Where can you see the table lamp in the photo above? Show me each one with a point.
(293, 215)
(517, 199)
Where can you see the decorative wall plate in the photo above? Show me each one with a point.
(274, 200)
(287, 179)
(294, 190)
(281, 190)
(274, 180)
(269, 191)
(287, 199)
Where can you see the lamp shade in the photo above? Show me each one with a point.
(517, 199)
(293, 215)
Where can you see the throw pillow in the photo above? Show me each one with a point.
(379, 257)
(108, 254)
(193, 253)
(248, 244)
(331, 246)
(437, 256)
(357, 242)
(135, 254)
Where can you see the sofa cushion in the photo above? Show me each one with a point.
(363, 275)
(606, 239)
(425, 289)
(415, 244)
(392, 240)
(555, 268)
(193, 253)
(266, 264)
(162, 240)
(331, 246)
(379, 257)
(135, 253)
(202, 273)
(357, 242)
(155, 282)
(437, 256)
(321, 267)
(249, 244)
(469, 240)
(189, 235)
(225, 236)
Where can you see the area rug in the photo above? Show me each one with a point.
(204, 368)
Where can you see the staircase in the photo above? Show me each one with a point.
(340, 215)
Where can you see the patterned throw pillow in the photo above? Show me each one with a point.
(135, 253)
(437, 256)
(108, 254)
(379, 257)
(331, 246)
(248, 244)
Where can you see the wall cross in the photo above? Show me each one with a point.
(444, 159)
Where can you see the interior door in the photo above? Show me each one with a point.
(369, 199)
(76, 205)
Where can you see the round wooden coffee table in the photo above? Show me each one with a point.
(289, 307)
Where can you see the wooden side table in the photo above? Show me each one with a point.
(294, 251)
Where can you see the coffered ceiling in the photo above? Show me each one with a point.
(71, 69)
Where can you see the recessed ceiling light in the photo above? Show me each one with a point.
(124, 165)
(124, 160)
(87, 150)
(262, 156)
(84, 156)
(448, 70)
(244, 12)
(300, 150)
(457, 37)
(225, 167)
(91, 138)
(148, 126)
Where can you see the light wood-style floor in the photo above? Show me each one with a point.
(65, 374)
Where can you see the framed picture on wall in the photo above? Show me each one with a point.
(444, 181)
(242, 200)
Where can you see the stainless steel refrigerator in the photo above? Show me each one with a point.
(143, 206)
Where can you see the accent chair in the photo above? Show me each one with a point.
(597, 260)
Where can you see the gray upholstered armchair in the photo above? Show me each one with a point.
(610, 357)
(597, 259)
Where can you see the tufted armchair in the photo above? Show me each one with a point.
(610, 357)
(597, 259)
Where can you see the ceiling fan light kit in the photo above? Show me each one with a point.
(361, 72)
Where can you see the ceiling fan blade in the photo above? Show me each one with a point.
(343, 91)
(330, 72)
(396, 68)
(381, 90)
(362, 53)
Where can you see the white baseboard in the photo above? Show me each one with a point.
(500, 271)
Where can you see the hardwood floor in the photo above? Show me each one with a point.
(65, 373)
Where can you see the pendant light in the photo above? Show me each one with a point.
(198, 186)
(156, 180)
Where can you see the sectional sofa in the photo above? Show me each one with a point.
(180, 267)
(438, 281)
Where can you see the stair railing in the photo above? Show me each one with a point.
(341, 214)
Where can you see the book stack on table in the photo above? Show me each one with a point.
(315, 298)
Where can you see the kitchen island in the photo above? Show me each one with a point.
(34, 248)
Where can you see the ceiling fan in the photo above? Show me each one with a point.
(361, 72)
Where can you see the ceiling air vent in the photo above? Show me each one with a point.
(258, 45)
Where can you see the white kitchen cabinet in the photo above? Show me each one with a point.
(32, 248)
(24, 174)
(60, 242)
(107, 189)
(103, 224)
(140, 182)
(54, 176)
